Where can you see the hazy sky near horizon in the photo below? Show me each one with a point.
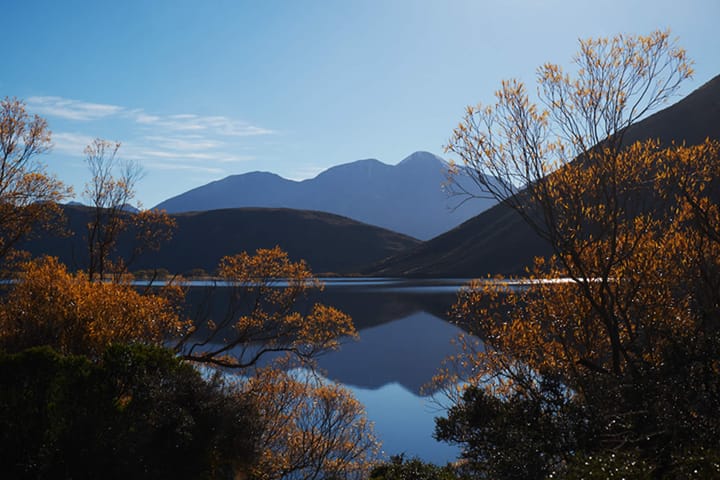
(198, 90)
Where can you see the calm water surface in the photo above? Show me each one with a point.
(403, 337)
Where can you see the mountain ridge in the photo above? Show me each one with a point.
(328, 243)
(407, 198)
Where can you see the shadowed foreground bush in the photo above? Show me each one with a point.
(398, 468)
(138, 413)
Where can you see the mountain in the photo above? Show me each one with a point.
(407, 197)
(498, 241)
(327, 242)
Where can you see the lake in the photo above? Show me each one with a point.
(404, 336)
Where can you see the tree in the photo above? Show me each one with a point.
(110, 191)
(136, 412)
(84, 315)
(312, 429)
(264, 314)
(69, 312)
(270, 333)
(400, 468)
(616, 352)
(28, 195)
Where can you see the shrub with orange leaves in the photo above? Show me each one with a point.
(28, 194)
(312, 429)
(67, 311)
(265, 314)
(612, 345)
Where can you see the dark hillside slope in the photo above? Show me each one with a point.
(328, 243)
(494, 242)
(691, 120)
(498, 242)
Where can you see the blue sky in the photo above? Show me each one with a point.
(198, 90)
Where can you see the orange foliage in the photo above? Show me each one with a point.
(50, 306)
(265, 313)
(311, 429)
(635, 230)
(28, 195)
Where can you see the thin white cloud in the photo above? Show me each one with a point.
(184, 143)
(233, 158)
(183, 123)
(142, 117)
(146, 150)
(210, 156)
(206, 151)
(176, 155)
(70, 143)
(167, 142)
(72, 109)
(181, 167)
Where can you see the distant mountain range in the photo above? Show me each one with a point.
(327, 242)
(498, 241)
(406, 198)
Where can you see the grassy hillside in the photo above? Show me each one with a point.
(328, 243)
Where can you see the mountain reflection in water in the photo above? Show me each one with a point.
(407, 351)
(386, 369)
(403, 337)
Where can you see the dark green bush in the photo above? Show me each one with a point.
(398, 468)
(138, 413)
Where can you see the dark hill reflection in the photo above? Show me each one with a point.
(402, 324)
(407, 351)
(404, 336)
(374, 302)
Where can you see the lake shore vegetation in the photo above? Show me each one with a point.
(615, 373)
(102, 378)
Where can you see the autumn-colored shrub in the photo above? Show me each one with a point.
(311, 428)
(29, 195)
(266, 314)
(51, 306)
(607, 357)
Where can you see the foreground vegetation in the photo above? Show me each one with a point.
(616, 373)
(101, 379)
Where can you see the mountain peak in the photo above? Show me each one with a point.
(422, 157)
(364, 163)
(406, 197)
(254, 175)
(367, 166)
